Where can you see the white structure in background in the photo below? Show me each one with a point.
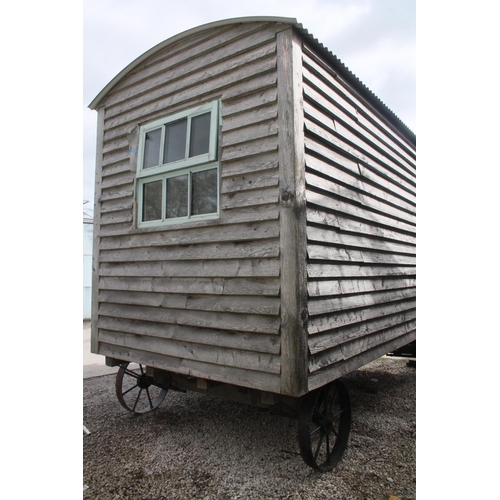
(88, 231)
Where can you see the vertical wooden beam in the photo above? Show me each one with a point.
(94, 340)
(293, 237)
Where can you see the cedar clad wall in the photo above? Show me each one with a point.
(360, 190)
(201, 298)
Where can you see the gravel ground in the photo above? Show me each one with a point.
(196, 446)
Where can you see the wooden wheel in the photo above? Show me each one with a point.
(136, 391)
(324, 426)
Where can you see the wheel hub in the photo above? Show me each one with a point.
(144, 382)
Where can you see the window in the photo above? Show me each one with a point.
(178, 171)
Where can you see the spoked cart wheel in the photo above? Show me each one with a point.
(136, 391)
(324, 426)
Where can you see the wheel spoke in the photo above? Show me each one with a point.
(324, 420)
(138, 403)
(319, 447)
(127, 391)
(131, 373)
(137, 400)
(315, 431)
(149, 398)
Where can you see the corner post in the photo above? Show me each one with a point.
(94, 340)
(293, 236)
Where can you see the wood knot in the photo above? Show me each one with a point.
(287, 197)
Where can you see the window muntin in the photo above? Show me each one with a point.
(177, 173)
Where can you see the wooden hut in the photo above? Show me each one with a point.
(255, 212)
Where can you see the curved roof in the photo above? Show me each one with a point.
(336, 63)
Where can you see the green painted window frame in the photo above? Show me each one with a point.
(187, 166)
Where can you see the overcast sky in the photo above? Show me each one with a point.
(375, 39)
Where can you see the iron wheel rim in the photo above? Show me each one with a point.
(136, 391)
(324, 426)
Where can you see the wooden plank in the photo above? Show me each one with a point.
(115, 156)
(324, 201)
(293, 239)
(193, 235)
(337, 370)
(246, 149)
(329, 323)
(320, 106)
(341, 255)
(223, 303)
(120, 193)
(148, 299)
(373, 164)
(358, 198)
(117, 217)
(146, 105)
(241, 215)
(250, 215)
(245, 166)
(217, 338)
(202, 319)
(235, 304)
(118, 180)
(365, 112)
(173, 53)
(339, 222)
(250, 133)
(116, 204)
(206, 251)
(209, 286)
(205, 269)
(340, 286)
(249, 198)
(123, 167)
(187, 58)
(250, 181)
(353, 179)
(358, 346)
(357, 271)
(316, 147)
(185, 76)
(253, 103)
(331, 339)
(238, 89)
(245, 378)
(233, 122)
(237, 358)
(342, 303)
(325, 234)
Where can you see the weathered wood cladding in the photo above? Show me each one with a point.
(309, 272)
(360, 190)
(201, 298)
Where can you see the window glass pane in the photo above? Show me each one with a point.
(175, 141)
(200, 135)
(152, 148)
(151, 200)
(204, 192)
(177, 196)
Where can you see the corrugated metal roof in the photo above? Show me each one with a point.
(336, 63)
